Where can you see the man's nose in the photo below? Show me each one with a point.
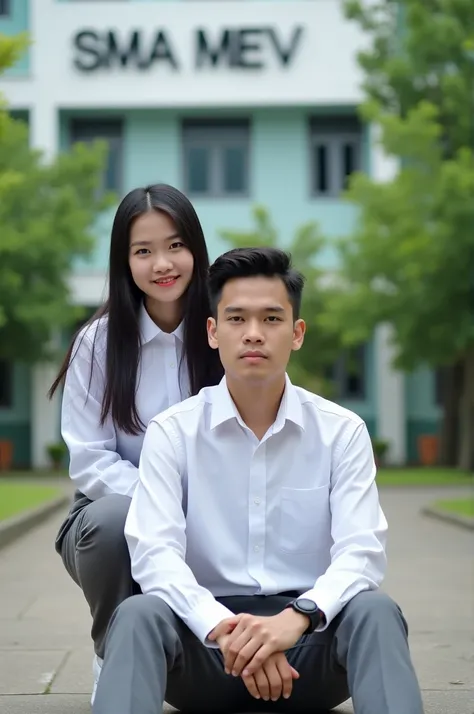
(253, 333)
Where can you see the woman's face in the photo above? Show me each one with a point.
(160, 263)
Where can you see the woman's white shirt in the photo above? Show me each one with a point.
(103, 459)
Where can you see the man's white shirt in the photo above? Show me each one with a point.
(217, 512)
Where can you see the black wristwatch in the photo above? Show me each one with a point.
(310, 609)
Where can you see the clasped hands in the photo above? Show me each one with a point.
(253, 648)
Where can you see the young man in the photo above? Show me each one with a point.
(256, 535)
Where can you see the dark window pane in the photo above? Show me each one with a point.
(4, 8)
(234, 172)
(6, 384)
(354, 374)
(321, 169)
(88, 131)
(439, 383)
(198, 169)
(348, 162)
(113, 169)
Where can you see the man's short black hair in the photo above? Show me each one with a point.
(253, 262)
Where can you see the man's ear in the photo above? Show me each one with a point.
(299, 330)
(212, 333)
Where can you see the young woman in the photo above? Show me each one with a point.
(145, 349)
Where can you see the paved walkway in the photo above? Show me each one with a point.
(45, 651)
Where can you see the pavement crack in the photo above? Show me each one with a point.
(50, 677)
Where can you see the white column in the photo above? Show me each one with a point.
(390, 390)
(44, 135)
(390, 383)
(44, 413)
(44, 128)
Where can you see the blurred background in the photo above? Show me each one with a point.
(342, 131)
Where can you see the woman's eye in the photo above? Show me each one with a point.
(177, 244)
(142, 251)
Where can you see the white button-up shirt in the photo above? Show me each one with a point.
(103, 459)
(217, 512)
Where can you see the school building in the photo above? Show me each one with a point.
(236, 102)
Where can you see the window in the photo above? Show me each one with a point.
(439, 385)
(5, 8)
(6, 385)
(111, 131)
(348, 374)
(216, 158)
(335, 151)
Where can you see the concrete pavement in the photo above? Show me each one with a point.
(46, 653)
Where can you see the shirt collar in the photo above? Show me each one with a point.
(223, 407)
(149, 330)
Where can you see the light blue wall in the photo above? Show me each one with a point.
(420, 394)
(18, 21)
(422, 414)
(279, 175)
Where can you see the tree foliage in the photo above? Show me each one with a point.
(410, 260)
(47, 211)
(309, 366)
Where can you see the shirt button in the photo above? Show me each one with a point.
(256, 548)
(172, 365)
(257, 501)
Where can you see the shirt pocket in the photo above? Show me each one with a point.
(304, 519)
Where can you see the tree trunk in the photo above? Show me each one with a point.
(466, 415)
(451, 388)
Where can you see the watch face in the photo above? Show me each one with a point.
(306, 605)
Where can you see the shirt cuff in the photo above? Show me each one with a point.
(327, 604)
(205, 617)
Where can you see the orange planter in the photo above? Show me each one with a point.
(428, 445)
(6, 455)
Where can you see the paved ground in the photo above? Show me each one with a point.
(45, 651)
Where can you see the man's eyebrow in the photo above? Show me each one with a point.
(270, 308)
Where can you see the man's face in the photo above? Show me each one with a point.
(255, 331)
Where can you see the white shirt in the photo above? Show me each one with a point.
(103, 459)
(216, 512)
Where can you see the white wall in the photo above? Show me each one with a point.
(323, 69)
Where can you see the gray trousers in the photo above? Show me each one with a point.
(92, 545)
(151, 656)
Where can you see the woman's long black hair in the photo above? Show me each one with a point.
(122, 308)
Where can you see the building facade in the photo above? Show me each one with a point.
(236, 102)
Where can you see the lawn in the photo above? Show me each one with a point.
(424, 477)
(18, 497)
(459, 506)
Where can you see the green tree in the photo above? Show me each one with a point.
(309, 366)
(47, 210)
(410, 260)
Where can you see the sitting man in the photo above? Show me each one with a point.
(256, 535)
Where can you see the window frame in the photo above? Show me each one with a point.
(333, 132)
(216, 136)
(110, 130)
(340, 374)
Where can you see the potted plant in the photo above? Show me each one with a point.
(56, 453)
(6, 455)
(380, 447)
(428, 449)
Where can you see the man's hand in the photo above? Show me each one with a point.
(273, 680)
(247, 641)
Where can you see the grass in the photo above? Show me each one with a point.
(424, 477)
(458, 506)
(18, 497)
